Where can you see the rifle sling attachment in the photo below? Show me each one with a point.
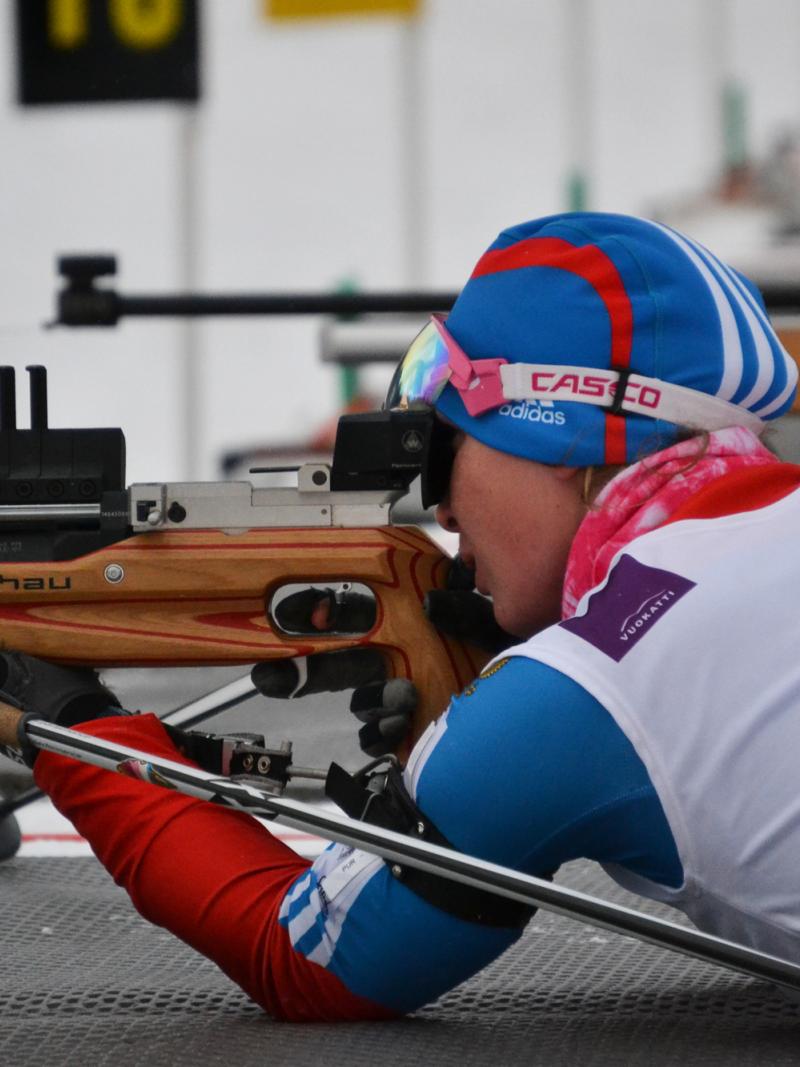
(379, 797)
(243, 757)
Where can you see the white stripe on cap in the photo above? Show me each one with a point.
(776, 349)
(738, 294)
(783, 396)
(768, 347)
(733, 360)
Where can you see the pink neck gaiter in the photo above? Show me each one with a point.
(646, 495)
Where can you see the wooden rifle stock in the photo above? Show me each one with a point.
(201, 597)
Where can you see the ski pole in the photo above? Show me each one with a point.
(398, 849)
(187, 715)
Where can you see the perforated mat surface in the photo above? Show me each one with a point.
(85, 980)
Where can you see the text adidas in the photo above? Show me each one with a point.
(534, 412)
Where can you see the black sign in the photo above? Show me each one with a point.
(80, 51)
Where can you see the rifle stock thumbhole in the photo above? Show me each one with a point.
(340, 609)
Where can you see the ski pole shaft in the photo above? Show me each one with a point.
(210, 704)
(20, 800)
(399, 849)
(188, 715)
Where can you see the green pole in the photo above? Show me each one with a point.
(577, 191)
(734, 124)
(349, 378)
(577, 57)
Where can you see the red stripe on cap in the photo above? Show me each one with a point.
(594, 266)
(589, 263)
(616, 448)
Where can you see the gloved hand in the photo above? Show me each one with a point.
(384, 706)
(62, 695)
(461, 613)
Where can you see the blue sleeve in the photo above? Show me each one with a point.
(525, 769)
(532, 772)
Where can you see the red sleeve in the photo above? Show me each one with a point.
(213, 876)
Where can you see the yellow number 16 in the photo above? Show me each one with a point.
(140, 24)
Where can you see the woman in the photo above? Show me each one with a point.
(648, 717)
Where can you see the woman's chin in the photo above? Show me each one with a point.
(521, 624)
(509, 621)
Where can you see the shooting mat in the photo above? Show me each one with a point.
(85, 980)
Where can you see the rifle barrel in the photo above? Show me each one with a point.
(48, 512)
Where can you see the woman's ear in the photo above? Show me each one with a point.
(563, 474)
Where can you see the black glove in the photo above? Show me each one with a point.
(385, 707)
(461, 613)
(62, 695)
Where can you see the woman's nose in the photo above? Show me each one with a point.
(446, 518)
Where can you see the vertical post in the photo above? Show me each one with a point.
(734, 124)
(577, 61)
(411, 147)
(190, 376)
(727, 96)
(715, 55)
(349, 378)
(413, 153)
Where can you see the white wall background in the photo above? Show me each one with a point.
(308, 171)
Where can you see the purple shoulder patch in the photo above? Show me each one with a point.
(624, 610)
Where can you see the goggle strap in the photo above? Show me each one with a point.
(643, 396)
(486, 384)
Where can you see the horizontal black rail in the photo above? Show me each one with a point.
(782, 299)
(81, 302)
(104, 307)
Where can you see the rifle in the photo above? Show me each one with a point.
(98, 574)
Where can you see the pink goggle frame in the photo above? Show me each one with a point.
(435, 358)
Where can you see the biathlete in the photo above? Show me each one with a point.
(607, 381)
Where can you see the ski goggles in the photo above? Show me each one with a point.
(435, 359)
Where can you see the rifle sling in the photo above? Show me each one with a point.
(384, 801)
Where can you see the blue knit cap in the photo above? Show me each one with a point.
(610, 291)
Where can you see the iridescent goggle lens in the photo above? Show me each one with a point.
(424, 370)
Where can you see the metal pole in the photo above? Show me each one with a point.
(578, 104)
(186, 716)
(190, 353)
(103, 307)
(213, 703)
(727, 95)
(413, 155)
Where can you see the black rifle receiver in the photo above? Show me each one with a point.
(62, 492)
(389, 449)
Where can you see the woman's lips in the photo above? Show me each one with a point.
(467, 557)
(480, 580)
(465, 552)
